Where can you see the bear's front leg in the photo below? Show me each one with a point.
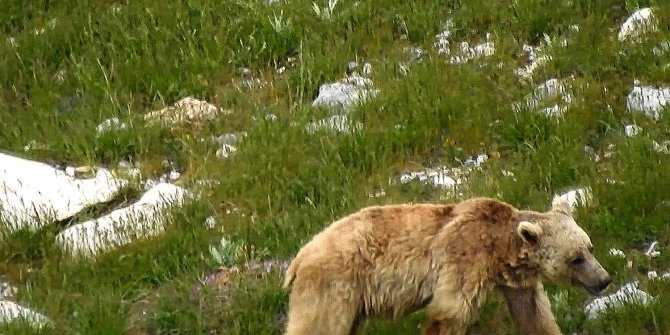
(531, 310)
(443, 327)
(455, 302)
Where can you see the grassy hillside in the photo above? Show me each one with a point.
(66, 67)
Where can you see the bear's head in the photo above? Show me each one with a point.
(563, 250)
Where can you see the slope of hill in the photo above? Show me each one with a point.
(267, 120)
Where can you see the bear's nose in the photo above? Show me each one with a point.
(603, 285)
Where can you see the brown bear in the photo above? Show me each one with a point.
(389, 261)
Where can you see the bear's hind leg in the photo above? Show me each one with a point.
(328, 313)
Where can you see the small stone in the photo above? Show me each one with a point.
(346, 93)
(110, 125)
(174, 175)
(547, 91)
(468, 53)
(367, 69)
(210, 222)
(591, 153)
(631, 130)
(651, 251)
(7, 291)
(378, 194)
(507, 174)
(226, 151)
(616, 253)
(352, 66)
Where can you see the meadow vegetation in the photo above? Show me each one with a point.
(65, 67)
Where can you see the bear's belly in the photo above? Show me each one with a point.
(395, 295)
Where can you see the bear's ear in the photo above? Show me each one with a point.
(529, 232)
(562, 206)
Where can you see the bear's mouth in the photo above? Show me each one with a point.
(593, 290)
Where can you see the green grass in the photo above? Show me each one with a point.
(101, 59)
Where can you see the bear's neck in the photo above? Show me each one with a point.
(518, 270)
(498, 255)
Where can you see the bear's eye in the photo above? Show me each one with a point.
(578, 260)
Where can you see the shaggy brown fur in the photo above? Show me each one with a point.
(388, 261)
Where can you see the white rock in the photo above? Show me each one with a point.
(648, 100)
(640, 22)
(549, 90)
(666, 275)
(476, 161)
(7, 291)
(337, 123)
(226, 151)
(575, 197)
(231, 138)
(32, 192)
(481, 159)
(110, 125)
(652, 275)
(434, 177)
(651, 251)
(210, 222)
(616, 253)
(661, 49)
(346, 93)
(378, 194)
(186, 110)
(174, 175)
(631, 130)
(442, 39)
(141, 219)
(367, 69)
(12, 312)
(527, 71)
(628, 294)
(591, 153)
(661, 148)
(554, 111)
(468, 53)
(352, 66)
(438, 178)
(416, 53)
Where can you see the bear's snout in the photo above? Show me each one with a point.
(603, 285)
(592, 276)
